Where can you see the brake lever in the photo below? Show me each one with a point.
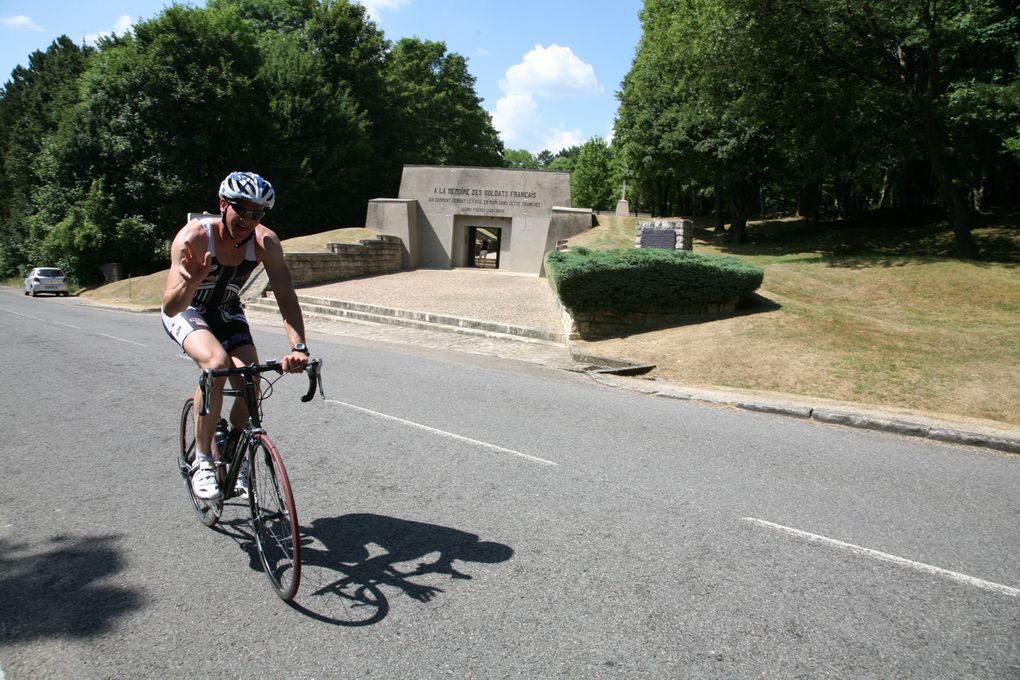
(314, 371)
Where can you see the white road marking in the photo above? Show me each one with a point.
(67, 325)
(443, 433)
(36, 318)
(886, 557)
(114, 337)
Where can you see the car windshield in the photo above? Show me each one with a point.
(50, 272)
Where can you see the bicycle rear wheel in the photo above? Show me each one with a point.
(274, 518)
(208, 511)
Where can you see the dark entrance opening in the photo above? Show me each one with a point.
(483, 247)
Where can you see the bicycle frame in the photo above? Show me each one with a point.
(274, 520)
(249, 392)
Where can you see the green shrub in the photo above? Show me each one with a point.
(647, 279)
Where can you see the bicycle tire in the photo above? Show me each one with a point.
(208, 511)
(274, 518)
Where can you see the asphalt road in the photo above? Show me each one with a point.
(468, 516)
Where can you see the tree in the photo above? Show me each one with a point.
(519, 158)
(121, 150)
(687, 122)
(935, 65)
(564, 160)
(593, 183)
(319, 150)
(31, 104)
(439, 117)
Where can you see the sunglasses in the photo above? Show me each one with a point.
(246, 214)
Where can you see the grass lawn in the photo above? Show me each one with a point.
(876, 316)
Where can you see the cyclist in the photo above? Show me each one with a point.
(210, 260)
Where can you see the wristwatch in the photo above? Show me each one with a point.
(300, 347)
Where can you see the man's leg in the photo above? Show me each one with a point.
(207, 352)
(244, 355)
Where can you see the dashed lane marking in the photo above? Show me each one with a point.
(886, 557)
(444, 433)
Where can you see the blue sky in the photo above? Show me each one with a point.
(548, 71)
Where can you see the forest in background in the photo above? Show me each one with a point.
(901, 110)
(104, 150)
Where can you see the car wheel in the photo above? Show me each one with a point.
(34, 294)
(26, 292)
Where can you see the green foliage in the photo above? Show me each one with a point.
(439, 117)
(647, 279)
(821, 107)
(111, 147)
(73, 244)
(32, 103)
(519, 158)
(593, 183)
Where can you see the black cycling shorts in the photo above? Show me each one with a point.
(230, 326)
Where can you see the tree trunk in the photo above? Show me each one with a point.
(958, 218)
(883, 196)
(720, 218)
(742, 200)
(738, 228)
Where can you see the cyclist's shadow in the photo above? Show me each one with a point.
(348, 562)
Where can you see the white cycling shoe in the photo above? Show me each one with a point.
(241, 487)
(203, 481)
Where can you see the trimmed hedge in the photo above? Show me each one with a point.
(647, 279)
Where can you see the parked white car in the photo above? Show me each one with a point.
(45, 280)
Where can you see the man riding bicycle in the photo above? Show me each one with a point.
(210, 261)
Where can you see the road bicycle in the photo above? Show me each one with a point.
(274, 519)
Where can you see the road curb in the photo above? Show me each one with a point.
(602, 369)
(829, 416)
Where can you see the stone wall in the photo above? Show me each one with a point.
(379, 255)
(605, 324)
(684, 230)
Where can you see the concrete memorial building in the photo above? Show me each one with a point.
(495, 218)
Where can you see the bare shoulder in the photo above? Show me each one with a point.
(267, 243)
(194, 233)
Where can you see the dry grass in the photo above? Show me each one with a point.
(878, 326)
(146, 292)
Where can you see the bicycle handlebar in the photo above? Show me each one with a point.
(313, 370)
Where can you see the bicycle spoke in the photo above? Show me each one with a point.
(208, 512)
(274, 520)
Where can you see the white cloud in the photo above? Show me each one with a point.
(376, 7)
(548, 72)
(516, 117)
(551, 72)
(123, 24)
(557, 140)
(21, 21)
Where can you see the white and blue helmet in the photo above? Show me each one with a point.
(247, 186)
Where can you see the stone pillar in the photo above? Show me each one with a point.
(622, 207)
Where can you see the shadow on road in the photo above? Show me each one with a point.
(58, 592)
(351, 561)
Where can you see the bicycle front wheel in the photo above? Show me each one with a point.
(274, 518)
(208, 511)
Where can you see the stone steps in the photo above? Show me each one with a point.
(327, 308)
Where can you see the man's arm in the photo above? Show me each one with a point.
(190, 263)
(286, 299)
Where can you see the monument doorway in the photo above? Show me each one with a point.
(483, 247)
